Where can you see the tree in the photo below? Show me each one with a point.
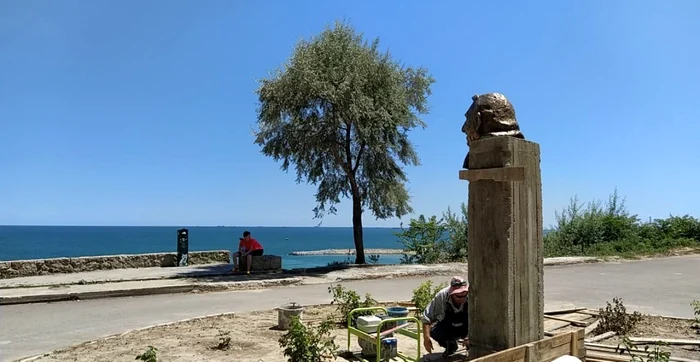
(340, 111)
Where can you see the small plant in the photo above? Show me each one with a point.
(654, 355)
(614, 318)
(373, 259)
(696, 309)
(151, 355)
(308, 344)
(424, 294)
(346, 300)
(224, 341)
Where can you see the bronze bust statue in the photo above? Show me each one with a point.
(490, 115)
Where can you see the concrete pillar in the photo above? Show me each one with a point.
(505, 262)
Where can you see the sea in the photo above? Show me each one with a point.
(40, 242)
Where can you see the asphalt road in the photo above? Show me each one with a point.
(658, 286)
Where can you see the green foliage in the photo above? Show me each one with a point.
(654, 355)
(696, 310)
(346, 300)
(432, 240)
(425, 293)
(614, 318)
(373, 258)
(308, 344)
(594, 229)
(340, 110)
(151, 355)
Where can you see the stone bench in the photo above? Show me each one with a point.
(262, 263)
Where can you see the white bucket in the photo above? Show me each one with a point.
(285, 314)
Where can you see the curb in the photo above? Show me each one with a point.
(170, 289)
(245, 285)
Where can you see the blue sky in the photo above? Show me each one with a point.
(140, 113)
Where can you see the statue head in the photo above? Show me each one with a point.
(490, 115)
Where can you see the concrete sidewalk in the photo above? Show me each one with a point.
(218, 277)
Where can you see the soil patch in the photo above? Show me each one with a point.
(254, 338)
(667, 328)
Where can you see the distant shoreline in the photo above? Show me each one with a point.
(327, 252)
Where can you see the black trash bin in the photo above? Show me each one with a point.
(183, 245)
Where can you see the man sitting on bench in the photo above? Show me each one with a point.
(247, 247)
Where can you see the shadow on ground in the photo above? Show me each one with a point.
(224, 273)
(430, 357)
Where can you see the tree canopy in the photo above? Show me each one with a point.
(340, 110)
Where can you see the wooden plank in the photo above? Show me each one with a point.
(572, 321)
(607, 348)
(601, 337)
(564, 310)
(509, 355)
(574, 344)
(654, 340)
(591, 327)
(553, 353)
(551, 325)
(530, 353)
(589, 312)
(503, 174)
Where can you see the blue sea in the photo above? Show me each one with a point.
(39, 242)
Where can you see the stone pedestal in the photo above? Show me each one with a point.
(262, 263)
(505, 262)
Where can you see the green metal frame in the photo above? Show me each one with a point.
(378, 339)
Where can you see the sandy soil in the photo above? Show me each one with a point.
(668, 328)
(254, 339)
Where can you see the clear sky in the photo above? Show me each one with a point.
(140, 112)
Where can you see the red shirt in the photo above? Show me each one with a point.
(250, 245)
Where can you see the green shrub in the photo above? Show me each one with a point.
(424, 294)
(346, 300)
(432, 240)
(614, 318)
(653, 355)
(151, 355)
(308, 344)
(591, 229)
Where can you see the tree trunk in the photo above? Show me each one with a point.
(357, 228)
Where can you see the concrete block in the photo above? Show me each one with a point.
(262, 263)
(506, 261)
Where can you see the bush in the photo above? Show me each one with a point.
(424, 294)
(346, 300)
(593, 229)
(696, 309)
(432, 240)
(308, 344)
(614, 318)
(151, 355)
(653, 355)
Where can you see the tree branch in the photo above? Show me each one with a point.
(348, 155)
(359, 157)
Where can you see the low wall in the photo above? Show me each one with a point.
(28, 268)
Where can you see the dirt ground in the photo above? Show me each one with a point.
(254, 338)
(668, 328)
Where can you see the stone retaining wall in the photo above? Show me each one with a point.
(28, 268)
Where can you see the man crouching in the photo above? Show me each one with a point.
(445, 319)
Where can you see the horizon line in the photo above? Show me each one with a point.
(202, 226)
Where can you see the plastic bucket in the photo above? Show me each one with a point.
(285, 314)
(398, 312)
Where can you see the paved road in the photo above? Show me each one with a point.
(659, 286)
